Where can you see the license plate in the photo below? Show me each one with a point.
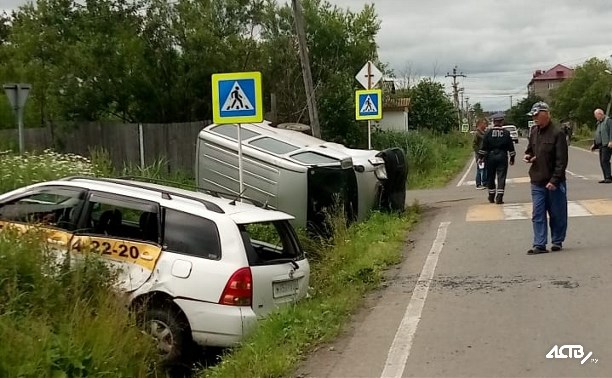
(285, 288)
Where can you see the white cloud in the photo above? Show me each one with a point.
(497, 44)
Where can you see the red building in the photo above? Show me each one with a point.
(543, 82)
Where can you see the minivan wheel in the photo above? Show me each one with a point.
(170, 331)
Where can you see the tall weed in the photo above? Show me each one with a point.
(64, 322)
(432, 158)
(20, 170)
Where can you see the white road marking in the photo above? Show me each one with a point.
(585, 150)
(404, 337)
(521, 211)
(514, 211)
(575, 175)
(575, 209)
(466, 173)
(517, 180)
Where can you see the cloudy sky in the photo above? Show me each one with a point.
(497, 44)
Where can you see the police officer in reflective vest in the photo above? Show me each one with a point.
(496, 146)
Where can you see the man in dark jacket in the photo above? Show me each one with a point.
(497, 145)
(603, 142)
(547, 154)
(481, 173)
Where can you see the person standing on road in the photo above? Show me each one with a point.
(603, 142)
(547, 154)
(481, 173)
(497, 144)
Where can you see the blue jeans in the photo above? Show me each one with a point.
(553, 203)
(481, 175)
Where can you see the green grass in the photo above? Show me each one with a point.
(352, 264)
(433, 159)
(20, 170)
(60, 322)
(343, 270)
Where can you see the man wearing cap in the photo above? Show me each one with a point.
(547, 154)
(603, 142)
(496, 146)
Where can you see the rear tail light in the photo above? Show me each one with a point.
(239, 289)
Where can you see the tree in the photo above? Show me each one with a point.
(517, 115)
(430, 108)
(580, 95)
(478, 111)
(152, 60)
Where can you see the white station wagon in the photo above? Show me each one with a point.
(191, 259)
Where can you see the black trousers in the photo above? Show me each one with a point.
(497, 167)
(604, 160)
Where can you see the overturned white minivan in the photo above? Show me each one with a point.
(299, 174)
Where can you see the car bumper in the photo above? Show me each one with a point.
(217, 325)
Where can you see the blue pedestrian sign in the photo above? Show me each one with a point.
(237, 97)
(368, 104)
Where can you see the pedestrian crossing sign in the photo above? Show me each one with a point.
(237, 97)
(368, 104)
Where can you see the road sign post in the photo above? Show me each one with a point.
(17, 94)
(368, 77)
(237, 99)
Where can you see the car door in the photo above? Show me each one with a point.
(54, 210)
(123, 230)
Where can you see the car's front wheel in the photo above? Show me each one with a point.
(171, 332)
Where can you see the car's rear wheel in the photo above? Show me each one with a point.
(171, 332)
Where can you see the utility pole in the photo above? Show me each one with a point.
(510, 101)
(455, 75)
(467, 109)
(306, 74)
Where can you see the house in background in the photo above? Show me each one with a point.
(543, 82)
(395, 114)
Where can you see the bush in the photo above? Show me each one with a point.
(428, 154)
(64, 321)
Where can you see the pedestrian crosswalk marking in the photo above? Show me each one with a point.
(521, 211)
(236, 100)
(526, 180)
(518, 180)
(598, 207)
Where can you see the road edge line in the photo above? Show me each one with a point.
(404, 337)
(460, 183)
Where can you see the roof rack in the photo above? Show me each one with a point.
(214, 193)
(166, 194)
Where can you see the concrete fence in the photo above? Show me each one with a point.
(125, 142)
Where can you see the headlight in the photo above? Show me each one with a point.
(381, 172)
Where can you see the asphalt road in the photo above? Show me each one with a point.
(467, 300)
